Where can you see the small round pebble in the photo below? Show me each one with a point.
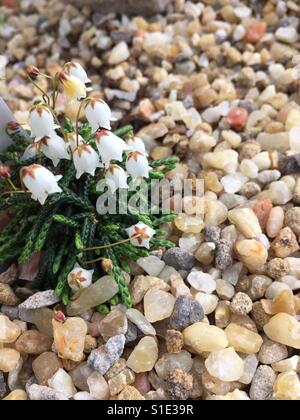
(241, 304)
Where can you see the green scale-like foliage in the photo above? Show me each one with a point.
(68, 223)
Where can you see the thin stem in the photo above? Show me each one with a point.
(45, 95)
(95, 248)
(93, 261)
(11, 184)
(14, 192)
(77, 120)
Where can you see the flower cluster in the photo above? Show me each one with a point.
(60, 164)
(109, 147)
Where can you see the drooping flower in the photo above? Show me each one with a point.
(137, 145)
(116, 178)
(85, 160)
(76, 69)
(74, 88)
(98, 114)
(110, 146)
(55, 148)
(72, 138)
(30, 151)
(140, 235)
(41, 121)
(40, 182)
(79, 278)
(5, 171)
(137, 165)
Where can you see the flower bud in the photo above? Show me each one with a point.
(107, 265)
(5, 172)
(59, 316)
(32, 72)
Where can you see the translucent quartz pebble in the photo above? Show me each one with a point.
(284, 329)
(62, 382)
(158, 305)
(202, 281)
(203, 337)
(287, 386)
(69, 338)
(9, 331)
(94, 295)
(225, 365)
(144, 355)
(140, 321)
(242, 339)
(246, 222)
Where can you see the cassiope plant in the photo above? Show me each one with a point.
(48, 187)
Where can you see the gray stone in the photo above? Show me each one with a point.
(3, 387)
(44, 393)
(262, 383)
(271, 352)
(212, 234)
(11, 311)
(107, 355)
(130, 7)
(187, 311)
(179, 259)
(40, 300)
(224, 257)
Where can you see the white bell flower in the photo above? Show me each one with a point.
(86, 160)
(55, 148)
(110, 147)
(76, 70)
(137, 145)
(140, 235)
(72, 138)
(98, 114)
(41, 122)
(79, 278)
(74, 88)
(40, 182)
(137, 165)
(30, 151)
(116, 178)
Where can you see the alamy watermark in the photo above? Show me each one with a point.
(154, 197)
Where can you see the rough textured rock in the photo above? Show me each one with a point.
(107, 355)
(187, 311)
(40, 300)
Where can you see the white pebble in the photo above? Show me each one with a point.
(294, 137)
(276, 287)
(287, 34)
(233, 183)
(202, 281)
(262, 161)
(292, 282)
(152, 265)
(280, 193)
(249, 168)
(208, 302)
(239, 33)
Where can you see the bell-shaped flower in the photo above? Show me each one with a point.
(86, 160)
(137, 145)
(74, 88)
(140, 235)
(79, 278)
(116, 178)
(137, 165)
(41, 121)
(76, 70)
(40, 182)
(110, 146)
(98, 114)
(31, 151)
(55, 148)
(72, 138)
